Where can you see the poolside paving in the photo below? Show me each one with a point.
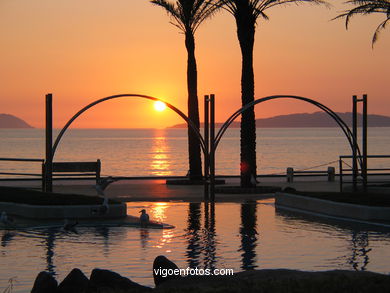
(158, 190)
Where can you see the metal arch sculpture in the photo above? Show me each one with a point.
(351, 139)
(176, 110)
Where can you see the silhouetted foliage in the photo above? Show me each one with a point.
(365, 7)
(187, 15)
(246, 14)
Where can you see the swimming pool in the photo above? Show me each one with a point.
(238, 236)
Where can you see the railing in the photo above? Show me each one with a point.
(346, 169)
(330, 173)
(77, 169)
(24, 173)
(71, 169)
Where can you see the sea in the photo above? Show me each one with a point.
(163, 152)
(239, 236)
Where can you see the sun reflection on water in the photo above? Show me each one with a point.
(165, 239)
(160, 164)
(158, 212)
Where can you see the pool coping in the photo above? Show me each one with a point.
(332, 208)
(46, 212)
(45, 217)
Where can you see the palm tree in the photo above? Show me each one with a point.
(187, 15)
(365, 7)
(246, 14)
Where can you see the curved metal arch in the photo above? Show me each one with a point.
(340, 122)
(176, 110)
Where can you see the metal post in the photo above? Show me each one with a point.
(212, 148)
(207, 143)
(341, 174)
(49, 143)
(43, 176)
(354, 149)
(364, 142)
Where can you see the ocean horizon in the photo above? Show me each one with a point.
(163, 152)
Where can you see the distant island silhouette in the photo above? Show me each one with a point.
(11, 121)
(316, 119)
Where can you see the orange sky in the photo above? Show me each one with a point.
(84, 50)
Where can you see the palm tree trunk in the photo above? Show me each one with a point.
(246, 36)
(195, 163)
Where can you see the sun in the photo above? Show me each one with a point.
(159, 106)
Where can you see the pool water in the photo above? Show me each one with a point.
(238, 236)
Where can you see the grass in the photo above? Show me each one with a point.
(360, 198)
(35, 197)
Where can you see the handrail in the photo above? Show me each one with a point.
(26, 174)
(349, 170)
(22, 160)
(368, 156)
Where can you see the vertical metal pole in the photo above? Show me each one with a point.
(212, 148)
(364, 142)
(43, 176)
(354, 149)
(341, 174)
(49, 144)
(207, 143)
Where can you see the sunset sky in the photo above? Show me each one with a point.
(85, 50)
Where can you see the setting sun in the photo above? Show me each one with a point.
(159, 106)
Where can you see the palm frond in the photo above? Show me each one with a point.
(172, 11)
(188, 14)
(380, 27)
(363, 9)
(202, 11)
(228, 5)
(364, 2)
(272, 3)
(366, 7)
(256, 8)
(169, 7)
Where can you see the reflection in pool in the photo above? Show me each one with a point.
(241, 236)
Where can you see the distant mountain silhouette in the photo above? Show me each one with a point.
(316, 119)
(10, 121)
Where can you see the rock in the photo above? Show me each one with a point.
(44, 283)
(161, 265)
(75, 282)
(281, 280)
(105, 281)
